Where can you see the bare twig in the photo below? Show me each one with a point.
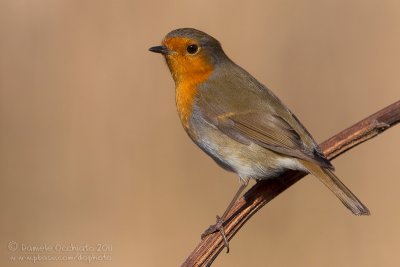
(263, 192)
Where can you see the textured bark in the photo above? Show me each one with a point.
(263, 192)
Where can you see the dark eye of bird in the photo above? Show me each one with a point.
(192, 49)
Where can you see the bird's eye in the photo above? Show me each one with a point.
(192, 49)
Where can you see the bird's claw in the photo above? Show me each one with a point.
(218, 226)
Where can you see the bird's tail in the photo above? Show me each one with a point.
(337, 187)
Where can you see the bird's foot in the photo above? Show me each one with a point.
(218, 227)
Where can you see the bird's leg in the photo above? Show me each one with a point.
(219, 226)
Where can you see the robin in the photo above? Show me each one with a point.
(238, 121)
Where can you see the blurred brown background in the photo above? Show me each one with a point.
(92, 152)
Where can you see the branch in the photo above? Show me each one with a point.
(263, 192)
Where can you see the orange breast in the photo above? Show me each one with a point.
(191, 77)
(185, 95)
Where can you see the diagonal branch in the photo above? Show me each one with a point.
(263, 192)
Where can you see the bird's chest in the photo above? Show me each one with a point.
(187, 85)
(184, 98)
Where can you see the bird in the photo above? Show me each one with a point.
(240, 123)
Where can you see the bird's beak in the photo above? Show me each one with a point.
(160, 49)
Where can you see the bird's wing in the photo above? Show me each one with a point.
(250, 112)
(269, 131)
(247, 111)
